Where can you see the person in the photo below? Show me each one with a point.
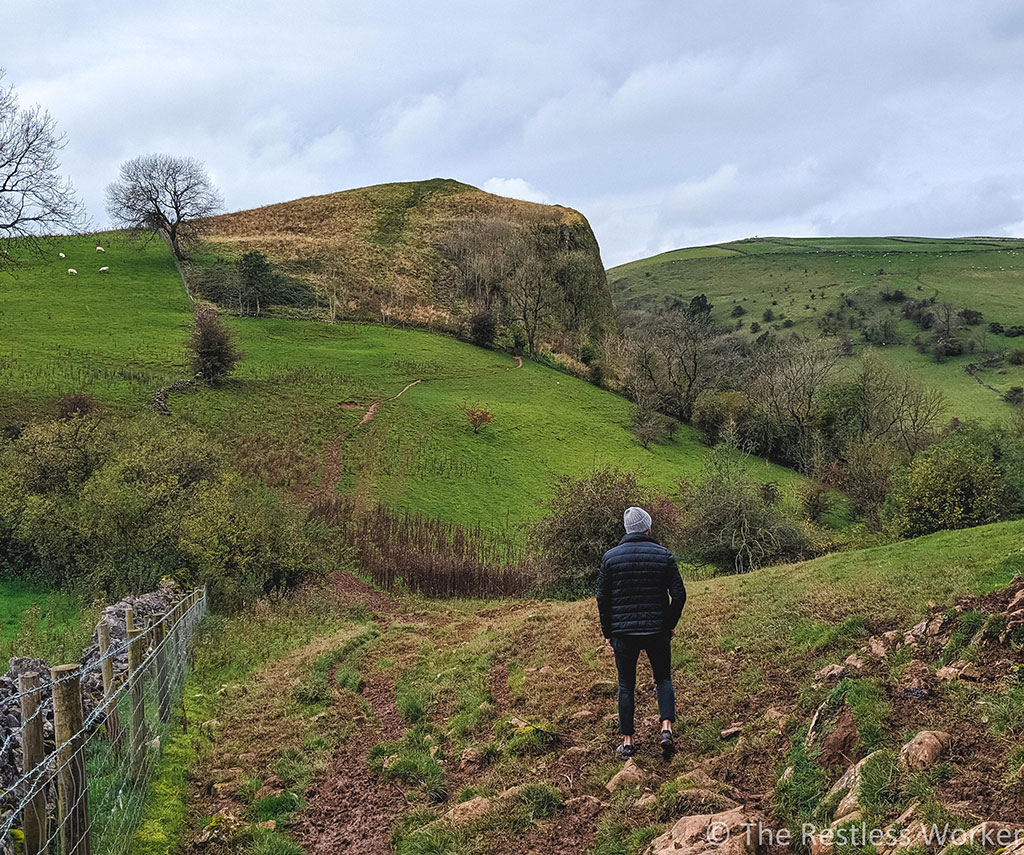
(640, 597)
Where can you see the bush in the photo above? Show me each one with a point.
(995, 327)
(584, 520)
(714, 412)
(730, 525)
(1016, 356)
(816, 501)
(954, 484)
(77, 404)
(113, 507)
(768, 316)
(737, 311)
(483, 327)
(477, 417)
(1014, 395)
(213, 347)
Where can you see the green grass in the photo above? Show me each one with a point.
(119, 336)
(782, 274)
(37, 622)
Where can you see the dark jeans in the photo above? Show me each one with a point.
(627, 651)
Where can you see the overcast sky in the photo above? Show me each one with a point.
(667, 123)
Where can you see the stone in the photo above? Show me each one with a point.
(733, 730)
(849, 784)
(646, 800)
(582, 717)
(630, 773)
(959, 671)
(467, 811)
(471, 757)
(925, 750)
(855, 662)
(723, 833)
(830, 673)
(876, 648)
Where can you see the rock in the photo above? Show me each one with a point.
(630, 773)
(546, 669)
(830, 673)
(722, 833)
(468, 810)
(934, 627)
(582, 717)
(850, 784)
(959, 671)
(471, 757)
(925, 750)
(994, 836)
(876, 648)
(222, 827)
(646, 800)
(855, 662)
(734, 729)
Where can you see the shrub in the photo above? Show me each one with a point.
(954, 484)
(115, 506)
(768, 316)
(995, 327)
(729, 525)
(77, 404)
(1014, 331)
(584, 520)
(971, 317)
(483, 327)
(1014, 395)
(478, 417)
(588, 353)
(714, 412)
(1016, 356)
(816, 501)
(755, 327)
(737, 311)
(214, 354)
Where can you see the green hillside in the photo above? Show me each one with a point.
(801, 280)
(292, 412)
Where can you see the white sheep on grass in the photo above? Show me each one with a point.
(104, 270)
(61, 254)
(72, 271)
(100, 249)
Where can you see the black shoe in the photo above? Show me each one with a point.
(668, 743)
(625, 751)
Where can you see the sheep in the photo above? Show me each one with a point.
(104, 270)
(72, 271)
(100, 249)
(61, 254)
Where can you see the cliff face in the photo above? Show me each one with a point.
(429, 252)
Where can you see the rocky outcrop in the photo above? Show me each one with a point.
(724, 833)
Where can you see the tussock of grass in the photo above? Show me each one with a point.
(410, 760)
(615, 837)
(870, 707)
(798, 795)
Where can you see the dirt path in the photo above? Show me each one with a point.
(352, 810)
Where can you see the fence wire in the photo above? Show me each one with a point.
(116, 752)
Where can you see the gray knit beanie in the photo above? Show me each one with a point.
(636, 520)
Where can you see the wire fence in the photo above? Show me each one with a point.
(83, 790)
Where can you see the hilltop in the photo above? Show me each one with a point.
(428, 253)
(857, 288)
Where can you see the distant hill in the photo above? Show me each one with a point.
(856, 288)
(426, 252)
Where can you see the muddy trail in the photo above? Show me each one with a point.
(350, 809)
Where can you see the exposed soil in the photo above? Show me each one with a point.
(352, 810)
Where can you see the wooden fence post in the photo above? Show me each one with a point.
(163, 689)
(34, 816)
(137, 699)
(72, 787)
(115, 733)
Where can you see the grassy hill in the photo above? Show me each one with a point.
(801, 279)
(293, 410)
(400, 251)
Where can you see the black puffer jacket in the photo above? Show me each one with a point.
(638, 578)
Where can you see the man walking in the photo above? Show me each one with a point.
(640, 596)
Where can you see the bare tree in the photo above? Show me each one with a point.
(165, 195)
(35, 200)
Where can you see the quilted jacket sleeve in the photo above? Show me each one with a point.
(604, 596)
(676, 590)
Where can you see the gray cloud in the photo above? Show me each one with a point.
(665, 123)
